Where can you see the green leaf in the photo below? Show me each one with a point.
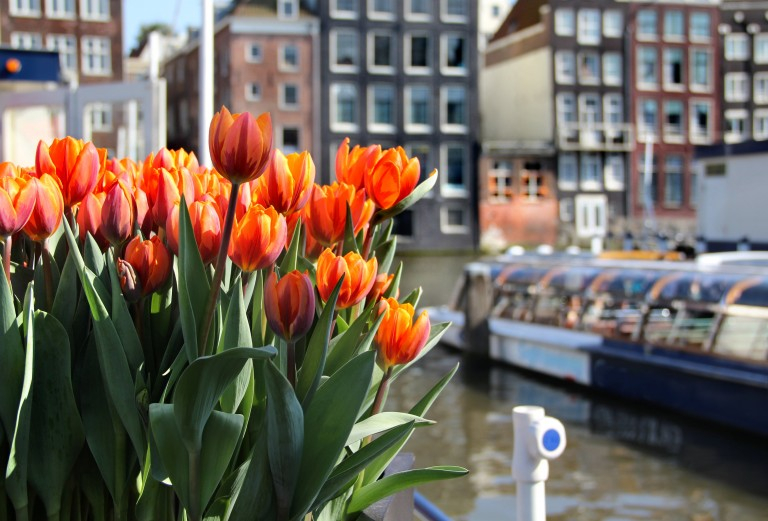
(395, 285)
(426, 402)
(413, 297)
(192, 283)
(308, 377)
(11, 359)
(286, 435)
(170, 448)
(65, 301)
(386, 254)
(350, 243)
(121, 318)
(345, 346)
(253, 491)
(55, 432)
(258, 319)
(40, 287)
(394, 483)
(18, 459)
(202, 384)
(236, 332)
(220, 438)
(328, 422)
(381, 422)
(94, 259)
(291, 256)
(418, 192)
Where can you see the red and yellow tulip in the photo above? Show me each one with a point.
(287, 183)
(89, 218)
(392, 178)
(289, 304)
(206, 226)
(240, 145)
(151, 263)
(49, 208)
(399, 338)
(74, 164)
(327, 212)
(17, 199)
(118, 214)
(359, 276)
(352, 166)
(258, 238)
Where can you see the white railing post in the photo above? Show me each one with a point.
(538, 439)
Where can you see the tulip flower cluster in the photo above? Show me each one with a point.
(205, 343)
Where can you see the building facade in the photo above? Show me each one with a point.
(405, 73)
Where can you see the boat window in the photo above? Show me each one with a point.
(755, 294)
(743, 337)
(697, 287)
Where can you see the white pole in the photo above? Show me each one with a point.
(650, 217)
(132, 137)
(205, 113)
(154, 55)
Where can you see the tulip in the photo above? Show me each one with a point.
(165, 198)
(258, 238)
(206, 226)
(49, 208)
(150, 263)
(17, 200)
(399, 338)
(74, 164)
(353, 166)
(380, 286)
(359, 276)
(289, 304)
(312, 248)
(89, 218)
(287, 183)
(327, 212)
(240, 145)
(143, 215)
(118, 213)
(392, 178)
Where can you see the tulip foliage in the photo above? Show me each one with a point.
(178, 342)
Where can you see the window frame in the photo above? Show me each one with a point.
(760, 95)
(417, 128)
(51, 46)
(567, 184)
(60, 14)
(667, 82)
(26, 40)
(249, 91)
(564, 57)
(373, 125)
(283, 64)
(642, 82)
(102, 14)
(451, 127)
(408, 54)
(344, 126)
(452, 190)
(617, 17)
(447, 17)
(698, 87)
(588, 28)
(563, 25)
(282, 100)
(612, 181)
(249, 55)
(106, 109)
(344, 14)
(281, 137)
(730, 136)
(593, 183)
(693, 135)
(445, 68)
(736, 47)
(344, 68)
(373, 14)
(372, 66)
(670, 36)
(693, 31)
(85, 68)
(617, 80)
(736, 87)
(643, 130)
(447, 228)
(671, 133)
(760, 48)
(412, 16)
(647, 36)
(592, 79)
(668, 175)
(27, 11)
(760, 115)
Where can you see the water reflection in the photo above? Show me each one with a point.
(622, 462)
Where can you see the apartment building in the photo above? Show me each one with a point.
(405, 73)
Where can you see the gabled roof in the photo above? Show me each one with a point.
(525, 13)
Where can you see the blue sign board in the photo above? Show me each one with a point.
(28, 65)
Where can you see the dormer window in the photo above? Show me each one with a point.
(288, 9)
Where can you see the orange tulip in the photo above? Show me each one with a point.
(89, 218)
(312, 248)
(327, 211)
(392, 178)
(118, 213)
(287, 183)
(399, 338)
(240, 145)
(17, 200)
(380, 286)
(258, 238)
(151, 262)
(166, 197)
(49, 208)
(206, 226)
(352, 166)
(289, 304)
(143, 215)
(74, 164)
(359, 276)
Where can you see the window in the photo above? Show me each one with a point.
(253, 53)
(613, 109)
(344, 8)
(418, 111)
(344, 107)
(589, 68)
(453, 54)
(60, 9)
(381, 53)
(735, 126)
(290, 140)
(700, 27)
(66, 46)
(761, 48)
(381, 9)
(94, 10)
(287, 9)
(418, 10)
(25, 8)
(647, 119)
(589, 109)
(761, 88)
(455, 10)
(673, 180)
(612, 68)
(99, 117)
(21, 40)
(96, 56)
(648, 184)
(289, 57)
(567, 172)
(673, 121)
(760, 131)
(647, 24)
(614, 172)
(566, 110)
(289, 96)
(344, 51)
(532, 185)
(647, 68)
(736, 47)
(673, 69)
(565, 67)
(701, 70)
(591, 172)
(613, 23)
(454, 112)
(589, 26)
(253, 91)
(674, 26)
(454, 220)
(381, 108)
(500, 182)
(736, 86)
(565, 23)
(700, 127)
(417, 53)
(455, 161)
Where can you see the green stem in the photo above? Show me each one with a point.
(381, 391)
(7, 257)
(22, 514)
(194, 487)
(367, 242)
(48, 275)
(218, 275)
(291, 362)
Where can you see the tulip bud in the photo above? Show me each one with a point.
(240, 145)
(150, 263)
(289, 304)
(129, 282)
(118, 213)
(89, 218)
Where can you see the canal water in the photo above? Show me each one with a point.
(623, 461)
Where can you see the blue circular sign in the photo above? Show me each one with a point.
(551, 440)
